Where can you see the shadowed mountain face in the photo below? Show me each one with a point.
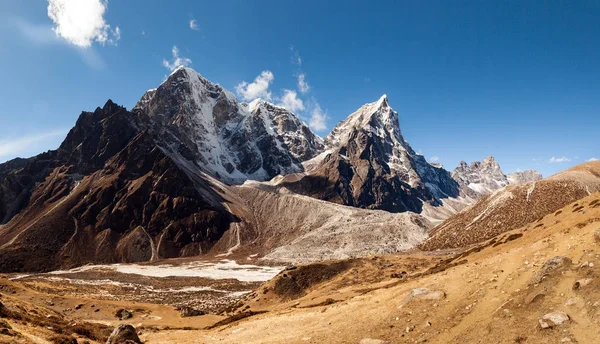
(368, 164)
(110, 193)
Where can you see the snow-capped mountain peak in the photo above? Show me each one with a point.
(230, 140)
(377, 118)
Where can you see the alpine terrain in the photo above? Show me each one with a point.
(209, 220)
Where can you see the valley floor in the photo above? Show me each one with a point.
(495, 292)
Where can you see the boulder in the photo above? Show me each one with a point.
(124, 334)
(190, 312)
(550, 267)
(423, 294)
(123, 314)
(553, 319)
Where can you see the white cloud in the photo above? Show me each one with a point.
(29, 144)
(434, 159)
(303, 85)
(592, 159)
(554, 160)
(291, 101)
(318, 118)
(81, 22)
(194, 25)
(177, 61)
(296, 59)
(259, 88)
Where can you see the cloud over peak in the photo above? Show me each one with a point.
(81, 22)
(259, 88)
(177, 61)
(290, 101)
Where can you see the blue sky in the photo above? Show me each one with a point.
(519, 80)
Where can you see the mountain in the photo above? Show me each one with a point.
(515, 206)
(159, 181)
(302, 143)
(368, 164)
(522, 177)
(110, 193)
(480, 179)
(229, 140)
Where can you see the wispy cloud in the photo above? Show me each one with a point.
(29, 144)
(303, 85)
(81, 22)
(259, 88)
(176, 61)
(194, 24)
(592, 159)
(290, 101)
(296, 59)
(297, 101)
(434, 159)
(318, 118)
(555, 160)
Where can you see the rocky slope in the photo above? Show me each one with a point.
(294, 228)
(515, 206)
(111, 194)
(536, 283)
(368, 164)
(502, 291)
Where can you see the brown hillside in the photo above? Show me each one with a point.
(515, 206)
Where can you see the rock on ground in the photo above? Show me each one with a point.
(553, 319)
(190, 312)
(124, 334)
(373, 341)
(424, 294)
(551, 266)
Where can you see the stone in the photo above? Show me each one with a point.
(550, 267)
(424, 294)
(553, 319)
(190, 312)
(79, 306)
(373, 341)
(582, 283)
(123, 314)
(597, 235)
(124, 334)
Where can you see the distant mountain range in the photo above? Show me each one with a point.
(185, 172)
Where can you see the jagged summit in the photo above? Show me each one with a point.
(369, 164)
(302, 143)
(377, 117)
(229, 140)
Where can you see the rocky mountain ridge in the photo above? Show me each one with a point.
(480, 179)
(159, 181)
